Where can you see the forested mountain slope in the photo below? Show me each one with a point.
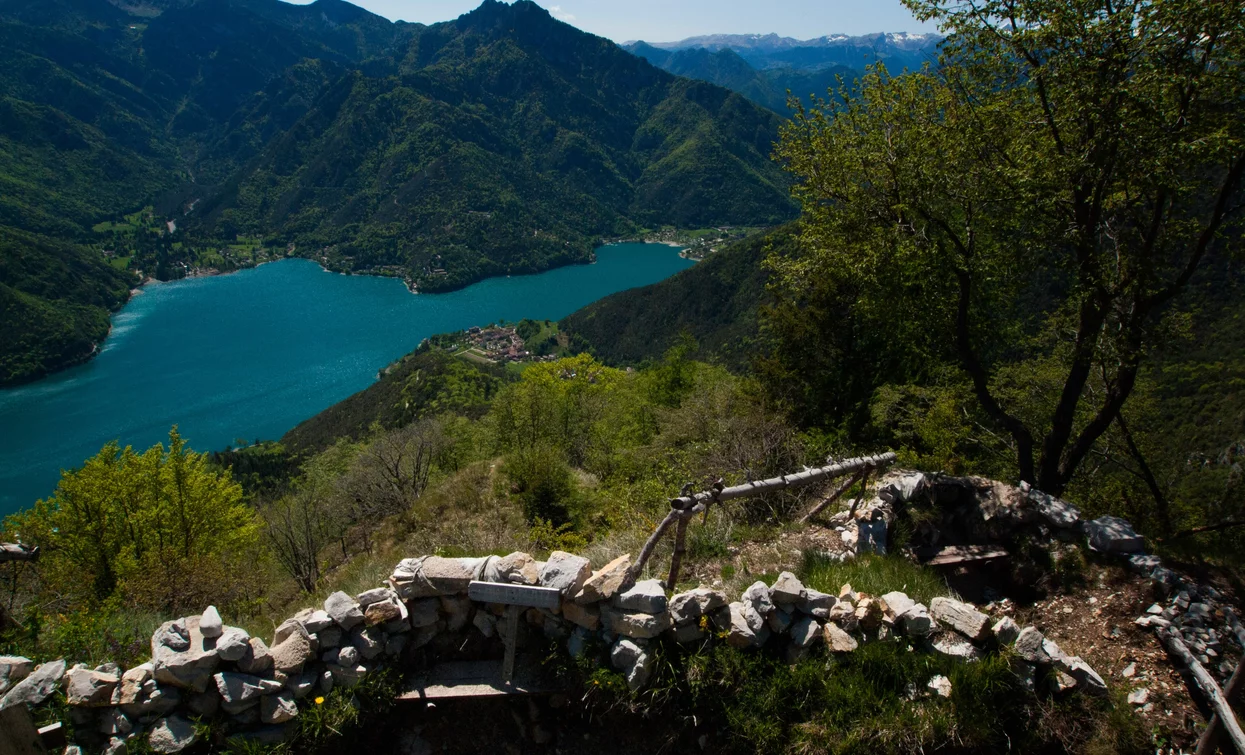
(502, 142)
(768, 87)
(716, 303)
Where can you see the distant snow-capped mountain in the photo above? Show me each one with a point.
(897, 50)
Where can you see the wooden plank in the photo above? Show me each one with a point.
(511, 639)
(514, 595)
(963, 554)
(18, 735)
(473, 679)
(1204, 680)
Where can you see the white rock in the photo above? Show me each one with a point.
(897, 602)
(210, 623)
(171, 735)
(758, 597)
(233, 644)
(961, 617)
(632, 661)
(837, 640)
(693, 604)
(1029, 646)
(804, 631)
(1111, 534)
(956, 647)
(816, 603)
(90, 689)
(36, 687)
(915, 622)
(565, 572)
(375, 595)
(940, 685)
(1058, 513)
(1139, 696)
(787, 590)
(344, 610)
(647, 596)
(1006, 631)
(278, 708)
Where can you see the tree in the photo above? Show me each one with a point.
(1045, 194)
(161, 529)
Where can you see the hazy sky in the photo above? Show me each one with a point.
(671, 20)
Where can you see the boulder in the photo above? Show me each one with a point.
(740, 633)
(375, 595)
(647, 596)
(188, 668)
(1029, 646)
(13, 669)
(347, 656)
(344, 610)
(837, 640)
(172, 734)
(487, 625)
(210, 623)
(315, 620)
(348, 676)
(132, 682)
(901, 487)
(895, 604)
(804, 631)
(517, 568)
(961, 617)
(691, 605)
(1006, 631)
(369, 642)
(635, 624)
(565, 572)
(382, 612)
(1083, 673)
(778, 621)
(257, 659)
(114, 723)
(204, 704)
(291, 653)
(868, 613)
(1056, 512)
(1111, 534)
(956, 647)
(758, 597)
(633, 662)
(240, 688)
(424, 613)
(233, 644)
(816, 603)
(915, 622)
(605, 583)
(787, 589)
(1144, 564)
(586, 616)
(940, 685)
(91, 689)
(278, 708)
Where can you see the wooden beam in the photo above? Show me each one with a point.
(1212, 738)
(527, 596)
(798, 479)
(1212, 691)
(834, 496)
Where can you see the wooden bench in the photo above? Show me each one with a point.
(467, 679)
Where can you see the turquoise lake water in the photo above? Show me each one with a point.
(252, 354)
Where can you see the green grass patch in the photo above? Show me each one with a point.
(875, 575)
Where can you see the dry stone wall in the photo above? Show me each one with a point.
(201, 668)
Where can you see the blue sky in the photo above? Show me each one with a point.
(670, 20)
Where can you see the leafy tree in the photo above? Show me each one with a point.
(160, 529)
(1047, 193)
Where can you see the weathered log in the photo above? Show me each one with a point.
(1212, 691)
(864, 488)
(798, 479)
(15, 552)
(1212, 738)
(834, 496)
(638, 567)
(676, 560)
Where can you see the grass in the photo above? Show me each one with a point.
(874, 700)
(875, 575)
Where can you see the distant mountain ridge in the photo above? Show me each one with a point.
(502, 142)
(762, 51)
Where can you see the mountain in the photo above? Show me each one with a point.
(768, 87)
(502, 142)
(716, 302)
(897, 51)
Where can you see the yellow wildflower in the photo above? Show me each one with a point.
(319, 701)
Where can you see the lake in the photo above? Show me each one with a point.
(251, 354)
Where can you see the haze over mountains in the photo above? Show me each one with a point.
(764, 68)
(502, 142)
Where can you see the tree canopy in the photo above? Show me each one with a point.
(1030, 209)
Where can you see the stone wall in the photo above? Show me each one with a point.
(201, 668)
